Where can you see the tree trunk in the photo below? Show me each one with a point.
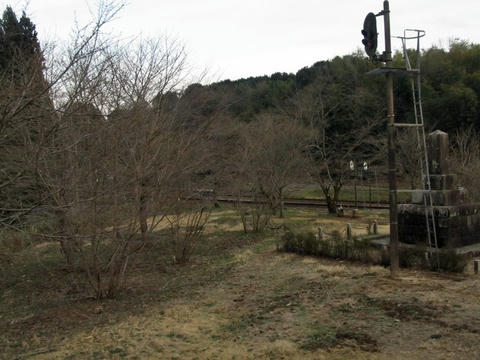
(336, 194)
(67, 243)
(142, 212)
(331, 202)
(280, 197)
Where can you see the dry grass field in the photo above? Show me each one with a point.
(239, 298)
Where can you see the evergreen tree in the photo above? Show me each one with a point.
(18, 42)
(25, 109)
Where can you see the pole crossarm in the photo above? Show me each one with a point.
(393, 70)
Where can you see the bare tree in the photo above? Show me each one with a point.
(339, 131)
(409, 157)
(275, 147)
(465, 161)
(264, 157)
(28, 117)
(24, 107)
(122, 154)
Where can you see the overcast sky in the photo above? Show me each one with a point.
(242, 38)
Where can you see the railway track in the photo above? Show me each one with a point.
(308, 202)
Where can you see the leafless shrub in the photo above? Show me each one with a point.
(254, 211)
(409, 156)
(465, 161)
(187, 224)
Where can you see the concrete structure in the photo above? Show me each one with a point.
(457, 222)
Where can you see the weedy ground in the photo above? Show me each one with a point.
(239, 298)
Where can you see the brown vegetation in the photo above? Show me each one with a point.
(239, 297)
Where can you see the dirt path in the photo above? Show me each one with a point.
(280, 306)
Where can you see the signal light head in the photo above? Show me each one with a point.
(370, 35)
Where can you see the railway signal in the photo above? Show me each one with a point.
(370, 35)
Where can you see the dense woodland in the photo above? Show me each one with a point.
(101, 141)
(450, 88)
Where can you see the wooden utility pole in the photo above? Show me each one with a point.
(394, 262)
(370, 42)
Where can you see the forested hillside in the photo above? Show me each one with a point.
(451, 88)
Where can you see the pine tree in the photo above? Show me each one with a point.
(18, 41)
(25, 109)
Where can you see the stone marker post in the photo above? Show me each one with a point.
(349, 231)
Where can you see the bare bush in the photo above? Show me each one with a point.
(465, 161)
(255, 213)
(187, 224)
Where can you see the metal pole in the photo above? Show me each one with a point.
(394, 263)
(361, 185)
(355, 190)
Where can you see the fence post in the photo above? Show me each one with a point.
(349, 231)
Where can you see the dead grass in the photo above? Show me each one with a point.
(241, 299)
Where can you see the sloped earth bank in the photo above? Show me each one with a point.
(258, 303)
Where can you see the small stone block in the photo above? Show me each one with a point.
(417, 197)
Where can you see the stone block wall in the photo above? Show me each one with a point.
(457, 224)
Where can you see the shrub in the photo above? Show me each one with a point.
(288, 242)
(254, 218)
(446, 260)
(303, 243)
(187, 226)
(362, 250)
(337, 247)
(451, 261)
(308, 243)
(12, 241)
(413, 257)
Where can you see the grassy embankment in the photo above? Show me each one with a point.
(238, 298)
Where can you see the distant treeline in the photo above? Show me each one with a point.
(450, 87)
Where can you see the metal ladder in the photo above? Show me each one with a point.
(415, 83)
